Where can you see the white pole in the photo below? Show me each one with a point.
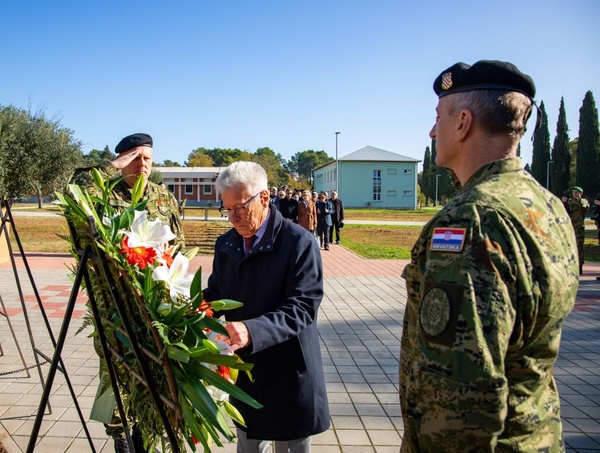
(337, 167)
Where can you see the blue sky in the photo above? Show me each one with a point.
(281, 74)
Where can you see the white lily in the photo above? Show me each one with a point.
(146, 233)
(217, 394)
(176, 277)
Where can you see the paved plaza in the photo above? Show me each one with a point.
(360, 325)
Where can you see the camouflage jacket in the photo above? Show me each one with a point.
(491, 279)
(161, 203)
(577, 207)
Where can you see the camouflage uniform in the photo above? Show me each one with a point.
(577, 207)
(161, 203)
(492, 277)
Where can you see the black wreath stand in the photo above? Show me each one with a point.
(7, 219)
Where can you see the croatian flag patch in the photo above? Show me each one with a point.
(448, 239)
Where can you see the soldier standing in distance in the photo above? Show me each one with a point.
(577, 206)
(491, 279)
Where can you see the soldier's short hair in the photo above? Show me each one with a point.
(498, 112)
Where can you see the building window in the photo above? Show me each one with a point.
(376, 185)
(189, 189)
(171, 188)
(391, 193)
(207, 190)
(391, 171)
(408, 171)
(407, 193)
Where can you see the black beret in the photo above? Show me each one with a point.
(133, 141)
(483, 75)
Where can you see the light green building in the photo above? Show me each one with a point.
(371, 177)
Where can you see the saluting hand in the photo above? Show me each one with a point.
(126, 158)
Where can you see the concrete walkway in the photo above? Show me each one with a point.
(360, 325)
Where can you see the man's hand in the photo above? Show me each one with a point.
(126, 158)
(239, 337)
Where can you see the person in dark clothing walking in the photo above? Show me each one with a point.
(324, 209)
(337, 217)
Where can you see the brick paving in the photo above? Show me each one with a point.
(360, 326)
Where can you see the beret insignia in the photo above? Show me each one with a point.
(447, 81)
(434, 313)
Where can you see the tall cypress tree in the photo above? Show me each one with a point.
(588, 148)
(426, 178)
(560, 171)
(541, 146)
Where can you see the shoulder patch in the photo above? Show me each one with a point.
(448, 239)
(434, 314)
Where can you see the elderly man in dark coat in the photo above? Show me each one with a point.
(274, 267)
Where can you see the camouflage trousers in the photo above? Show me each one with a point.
(580, 238)
(114, 429)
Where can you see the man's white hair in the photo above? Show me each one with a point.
(249, 175)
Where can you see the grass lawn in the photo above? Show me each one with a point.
(46, 234)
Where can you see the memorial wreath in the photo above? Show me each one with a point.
(193, 370)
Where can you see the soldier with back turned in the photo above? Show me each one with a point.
(491, 279)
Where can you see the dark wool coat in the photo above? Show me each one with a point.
(281, 285)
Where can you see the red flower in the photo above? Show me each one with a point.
(224, 372)
(168, 259)
(205, 307)
(142, 256)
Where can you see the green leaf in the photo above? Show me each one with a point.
(191, 422)
(196, 289)
(98, 180)
(211, 346)
(231, 361)
(178, 354)
(200, 399)
(226, 304)
(214, 379)
(138, 189)
(214, 325)
(191, 253)
(234, 413)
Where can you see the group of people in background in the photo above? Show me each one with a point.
(315, 212)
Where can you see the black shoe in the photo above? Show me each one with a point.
(337, 242)
(326, 247)
(121, 446)
(138, 440)
(597, 278)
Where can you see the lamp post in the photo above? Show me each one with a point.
(337, 170)
(548, 173)
(436, 187)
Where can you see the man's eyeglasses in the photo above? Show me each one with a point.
(240, 210)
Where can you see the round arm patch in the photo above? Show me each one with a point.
(434, 314)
